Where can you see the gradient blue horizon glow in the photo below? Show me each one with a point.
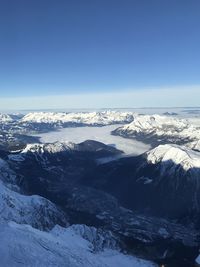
(57, 54)
(162, 97)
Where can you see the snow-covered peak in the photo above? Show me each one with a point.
(160, 129)
(59, 147)
(155, 123)
(49, 147)
(5, 118)
(179, 155)
(88, 118)
(41, 149)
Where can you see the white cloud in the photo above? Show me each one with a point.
(147, 97)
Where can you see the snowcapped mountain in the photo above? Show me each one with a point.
(4, 118)
(33, 210)
(155, 123)
(155, 129)
(16, 129)
(61, 148)
(75, 246)
(147, 205)
(56, 147)
(179, 155)
(88, 118)
(168, 176)
(61, 247)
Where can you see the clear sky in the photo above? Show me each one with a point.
(78, 48)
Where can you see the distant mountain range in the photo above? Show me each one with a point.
(156, 129)
(67, 202)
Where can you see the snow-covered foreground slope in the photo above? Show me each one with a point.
(179, 155)
(88, 118)
(34, 210)
(24, 245)
(159, 129)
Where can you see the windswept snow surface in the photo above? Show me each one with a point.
(101, 134)
(180, 155)
(22, 245)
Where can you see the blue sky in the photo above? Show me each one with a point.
(98, 47)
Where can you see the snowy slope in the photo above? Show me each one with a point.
(89, 118)
(49, 147)
(156, 123)
(5, 118)
(198, 260)
(24, 245)
(34, 210)
(195, 145)
(39, 150)
(161, 128)
(180, 155)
